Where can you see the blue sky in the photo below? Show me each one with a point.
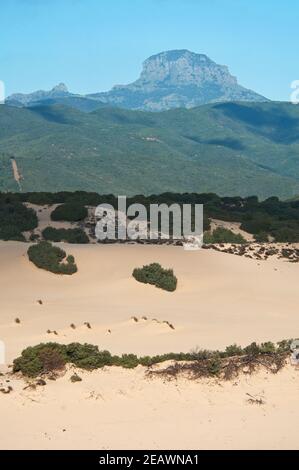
(92, 45)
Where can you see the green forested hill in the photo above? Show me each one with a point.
(228, 148)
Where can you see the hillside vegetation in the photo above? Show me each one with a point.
(271, 217)
(228, 148)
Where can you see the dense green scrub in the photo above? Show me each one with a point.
(69, 212)
(156, 275)
(49, 357)
(223, 235)
(271, 217)
(71, 235)
(51, 258)
(15, 218)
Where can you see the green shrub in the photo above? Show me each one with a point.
(261, 237)
(11, 233)
(49, 257)
(284, 345)
(40, 359)
(156, 275)
(223, 235)
(286, 235)
(15, 218)
(87, 356)
(267, 348)
(129, 361)
(71, 235)
(257, 222)
(69, 212)
(233, 350)
(252, 349)
(214, 366)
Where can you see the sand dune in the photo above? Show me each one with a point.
(221, 299)
(122, 409)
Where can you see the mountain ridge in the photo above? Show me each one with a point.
(170, 79)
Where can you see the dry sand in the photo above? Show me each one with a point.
(233, 227)
(221, 299)
(122, 409)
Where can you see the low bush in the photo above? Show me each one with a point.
(41, 359)
(69, 212)
(286, 235)
(261, 237)
(51, 258)
(156, 275)
(71, 235)
(223, 235)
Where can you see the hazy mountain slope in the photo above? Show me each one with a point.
(59, 91)
(58, 95)
(231, 149)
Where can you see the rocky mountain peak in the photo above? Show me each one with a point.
(181, 68)
(178, 78)
(60, 88)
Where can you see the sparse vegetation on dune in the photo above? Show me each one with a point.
(223, 235)
(52, 258)
(156, 275)
(51, 357)
(71, 235)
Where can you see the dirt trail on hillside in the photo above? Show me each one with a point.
(16, 174)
